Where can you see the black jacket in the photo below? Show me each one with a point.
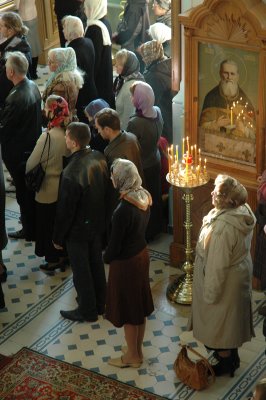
(81, 198)
(20, 122)
(159, 76)
(15, 43)
(85, 54)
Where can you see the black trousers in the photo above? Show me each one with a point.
(88, 275)
(25, 197)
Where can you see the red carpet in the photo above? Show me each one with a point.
(30, 375)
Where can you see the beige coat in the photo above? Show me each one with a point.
(49, 190)
(221, 306)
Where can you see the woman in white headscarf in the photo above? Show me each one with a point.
(85, 54)
(66, 79)
(99, 31)
(129, 299)
(163, 34)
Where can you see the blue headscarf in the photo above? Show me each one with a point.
(96, 105)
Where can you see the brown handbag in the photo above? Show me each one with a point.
(198, 374)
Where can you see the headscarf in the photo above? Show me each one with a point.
(73, 28)
(261, 192)
(160, 32)
(130, 72)
(143, 100)
(151, 51)
(95, 10)
(127, 180)
(58, 112)
(67, 62)
(165, 4)
(96, 105)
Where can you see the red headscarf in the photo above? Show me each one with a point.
(58, 112)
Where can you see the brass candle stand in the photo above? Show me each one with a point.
(185, 178)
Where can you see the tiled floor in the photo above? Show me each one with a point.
(32, 319)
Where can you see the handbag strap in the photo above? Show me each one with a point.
(208, 365)
(49, 140)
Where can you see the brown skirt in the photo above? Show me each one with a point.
(129, 298)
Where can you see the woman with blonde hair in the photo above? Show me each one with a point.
(13, 33)
(221, 306)
(85, 54)
(65, 79)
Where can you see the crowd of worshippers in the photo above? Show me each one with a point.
(77, 128)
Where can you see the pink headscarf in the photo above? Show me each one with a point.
(143, 100)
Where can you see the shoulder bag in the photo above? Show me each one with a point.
(198, 374)
(34, 177)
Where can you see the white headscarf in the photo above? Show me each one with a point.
(95, 10)
(73, 28)
(160, 32)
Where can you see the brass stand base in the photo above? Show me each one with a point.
(180, 291)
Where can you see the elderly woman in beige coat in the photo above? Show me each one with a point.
(50, 148)
(221, 306)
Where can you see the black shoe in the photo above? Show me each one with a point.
(17, 235)
(48, 267)
(225, 366)
(75, 315)
(3, 275)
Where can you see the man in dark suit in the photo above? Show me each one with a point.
(20, 127)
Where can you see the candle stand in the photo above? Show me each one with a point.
(180, 291)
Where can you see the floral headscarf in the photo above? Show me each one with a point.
(58, 112)
(143, 100)
(127, 180)
(151, 51)
(66, 59)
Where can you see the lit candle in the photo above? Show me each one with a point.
(183, 148)
(176, 152)
(191, 151)
(231, 116)
(195, 152)
(187, 145)
(172, 151)
(169, 161)
(205, 161)
(200, 162)
(187, 167)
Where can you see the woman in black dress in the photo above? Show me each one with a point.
(129, 299)
(99, 31)
(85, 54)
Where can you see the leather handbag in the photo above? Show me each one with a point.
(34, 177)
(198, 374)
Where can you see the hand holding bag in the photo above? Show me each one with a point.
(34, 177)
(198, 374)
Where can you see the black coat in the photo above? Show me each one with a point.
(85, 54)
(81, 198)
(66, 7)
(15, 43)
(159, 76)
(20, 122)
(103, 68)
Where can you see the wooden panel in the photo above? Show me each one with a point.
(47, 27)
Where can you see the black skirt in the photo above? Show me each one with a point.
(129, 298)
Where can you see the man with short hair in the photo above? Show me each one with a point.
(80, 222)
(20, 127)
(122, 144)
